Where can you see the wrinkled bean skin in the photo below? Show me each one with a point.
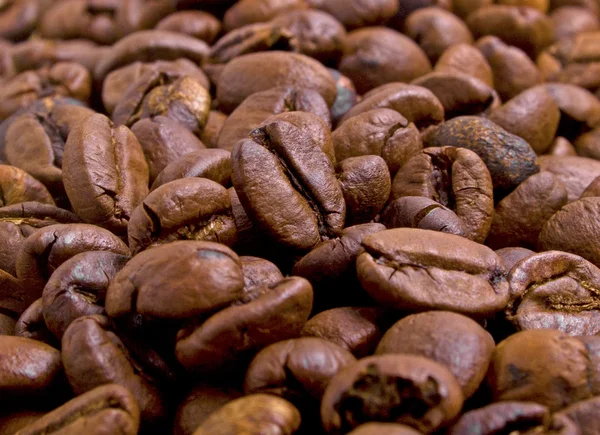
(105, 173)
(456, 178)
(205, 214)
(78, 288)
(107, 409)
(277, 312)
(554, 290)
(404, 389)
(491, 143)
(310, 215)
(311, 362)
(410, 268)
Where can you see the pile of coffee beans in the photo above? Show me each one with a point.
(262, 217)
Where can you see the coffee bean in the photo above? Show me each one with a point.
(111, 161)
(256, 413)
(199, 24)
(509, 158)
(376, 56)
(456, 178)
(404, 389)
(354, 328)
(450, 339)
(418, 270)
(107, 409)
(515, 374)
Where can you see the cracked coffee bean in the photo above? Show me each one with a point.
(405, 389)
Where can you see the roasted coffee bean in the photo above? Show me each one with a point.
(214, 124)
(582, 414)
(259, 272)
(512, 69)
(35, 140)
(199, 404)
(575, 235)
(120, 80)
(532, 115)
(199, 24)
(19, 18)
(450, 339)
(258, 107)
(503, 416)
(204, 213)
(256, 11)
(177, 280)
(252, 38)
(520, 216)
(415, 103)
(301, 203)
(593, 189)
(107, 409)
(456, 178)
(331, 267)
(286, 69)
(356, 13)
(570, 20)
(459, 93)
(49, 247)
(521, 370)
(576, 173)
(18, 186)
(511, 256)
(466, 59)
(19, 221)
(435, 30)
(65, 79)
(418, 270)
(182, 99)
(77, 288)
(317, 34)
(163, 141)
(263, 316)
(94, 355)
(424, 213)
(509, 159)
(524, 27)
(151, 45)
(554, 290)
(214, 165)
(377, 55)
(297, 370)
(575, 60)
(32, 325)
(29, 368)
(579, 109)
(38, 53)
(82, 18)
(105, 173)
(357, 329)
(382, 132)
(366, 185)
(253, 414)
(562, 147)
(404, 389)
